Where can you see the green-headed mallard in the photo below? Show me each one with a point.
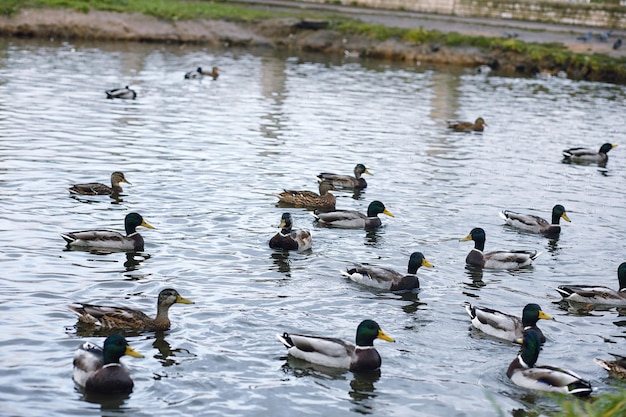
(290, 239)
(536, 224)
(128, 318)
(387, 278)
(589, 155)
(477, 126)
(336, 353)
(616, 368)
(351, 219)
(524, 373)
(309, 199)
(107, 239)
(95, 188)
(501, 259)
(198, 73)
(99, 369)
(347, 181)
(123, 92)
(596, 295)
(506, 326)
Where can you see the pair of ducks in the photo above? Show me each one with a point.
(199, 73)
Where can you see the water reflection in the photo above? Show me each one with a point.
(134, 259)
(107, 401)
(281, 262)
(167, 355)
(475, 274)
(362, 391)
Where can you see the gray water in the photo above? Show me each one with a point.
(205, 159)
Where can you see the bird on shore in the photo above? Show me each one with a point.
(586, 37)
(96, 188)
(352, 219)
(347, 181)
(588, 155)
(617, 44)
(501, 259)
(199, 73)
(536, 224)
(597, 295)
(289, 239)
(126, 318)
(336, 353)
(604, 36)
(387, 278)
(108, 239)
(507, 326)
(524, 372)
(99, 370)
(616, 368)
(309, 199)
(458, 126)
(124, 92)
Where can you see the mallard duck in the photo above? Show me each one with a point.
(290, 239)
(536, 224)
(336, 353)
(507, 326)
(477, 126)
(616, 368)
(347, 181)
(107, 239)
(198, 73)
(387, 278)
(591, 294)
(309, 199)
(588, 155)
(124, 92)
(99, 369)
(501, 259)
(351, 219)
(95, 188)
(128, 318)
(524, 373)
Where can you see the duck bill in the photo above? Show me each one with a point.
(388, 213)
(367, 171)
(383, 335)
(426, 263)
(126, 181)
(183, 300)
(564, 217)
(466, 238)
(282, 224)
(145, 224)
(131, 352)
(613, 145)
(545, 316)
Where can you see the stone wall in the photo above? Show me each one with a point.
(555, 11)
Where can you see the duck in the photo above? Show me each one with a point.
(98, 369)
(477, 126)
(123, 92)
(198, 73)
(336, 353)
(616, 368)
(387, 278)
(596, 295)
(524, 372)
(351, 219)
(96, 188)
(589, 155)
(289, 239)
(536, 224)
(512, 259)
(309, 199)
(108, 239)
(347, 181)
(507, 326)
(128, 318)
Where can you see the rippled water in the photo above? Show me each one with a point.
(205, 158)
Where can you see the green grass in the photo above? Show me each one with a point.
(604, 405)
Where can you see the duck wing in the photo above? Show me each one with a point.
(92, 188)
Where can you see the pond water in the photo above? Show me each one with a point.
(205, 159)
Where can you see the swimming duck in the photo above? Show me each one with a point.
(290, 239)
(336, 353)
(95, 188)
(507, 326)
(387, 278)
(347, 181)
(524, 373)
(99, 369)
(107, 239)
(309, 199)
(536, 224)
(128, 318)
(477, 126)
(590, 294)
(124, 92)
(198, 73)
(501, 259)
(616, 368)
(588, 155)
(351, 219)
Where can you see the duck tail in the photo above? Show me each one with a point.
(285, 340)
(68, 238)
(470, 309)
